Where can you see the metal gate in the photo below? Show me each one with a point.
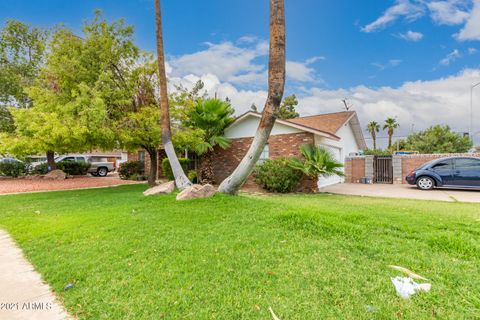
(383, 169)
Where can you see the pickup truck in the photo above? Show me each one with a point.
(97, 169)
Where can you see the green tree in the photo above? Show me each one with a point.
(79, 89)
(390, 125)
(6, 120)
(22, 52)
(211, 116)
(317, 161)
(287, 108)
(373, 128)
(438, 139)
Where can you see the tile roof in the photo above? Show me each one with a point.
(330, 122)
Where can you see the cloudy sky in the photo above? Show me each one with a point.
(411, 59)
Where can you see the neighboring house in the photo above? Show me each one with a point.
(339, 132)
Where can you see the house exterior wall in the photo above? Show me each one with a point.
(354, 169)
(282, 145)
(135, 156)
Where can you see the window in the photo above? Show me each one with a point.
(68, 159)
(141, 156)
(443, 165)
(467, 164)
(82, 159)
(265, 154)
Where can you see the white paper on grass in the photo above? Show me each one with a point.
(406, 287)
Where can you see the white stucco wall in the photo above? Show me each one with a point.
(248, 126)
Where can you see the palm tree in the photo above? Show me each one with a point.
(212, 116)
(181, 179)
(390, 124)
(317, 161)
(276, 85)
(373, 127)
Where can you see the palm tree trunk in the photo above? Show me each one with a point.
(181, 179)
(390, 140)
(276, 85)
(152, 176)
(51, 160)
(374, 137)
(206, 168)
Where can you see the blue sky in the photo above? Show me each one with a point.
(403, 58)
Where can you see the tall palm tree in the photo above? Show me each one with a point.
(390, 125)
(373, 127)
(212, 116)
(276, 86)
(181, 179)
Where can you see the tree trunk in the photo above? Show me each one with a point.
(152, 176)
(51, 161)
(206, 168)
(374, 137)
(389, 141)
(276, 84)
(181, 179)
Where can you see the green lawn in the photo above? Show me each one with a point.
(308, 257)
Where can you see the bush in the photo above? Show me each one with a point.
(12, 169)
(277, 176)
(193, 176)
(377, 152)
(131, 170)
(74, 168)
(40, 169)
(167, 169)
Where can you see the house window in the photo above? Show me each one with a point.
(141, 156)
(265, 154)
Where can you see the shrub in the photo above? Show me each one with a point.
(74, 168)
(277, 176)
(131, 170)
(12, 168)
(167, 169)
(193, 176)
(40, 169)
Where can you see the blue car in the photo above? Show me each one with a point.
(453, 172)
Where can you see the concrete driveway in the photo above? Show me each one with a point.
(403, 191)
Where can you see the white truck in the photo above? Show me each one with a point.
(97, 168)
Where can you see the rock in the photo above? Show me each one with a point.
(197, 192)
(164, 188)
(55, 175)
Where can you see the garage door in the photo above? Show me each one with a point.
(328, 181)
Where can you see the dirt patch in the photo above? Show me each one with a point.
(11, 185)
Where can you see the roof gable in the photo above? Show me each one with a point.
(330, 122)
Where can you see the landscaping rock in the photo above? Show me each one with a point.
(34, 177)
(55, 175)
(197, 192)
(164, 188)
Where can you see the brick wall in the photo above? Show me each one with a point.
(354, 169)
(284, 145)
(411, 162)
(135, 156)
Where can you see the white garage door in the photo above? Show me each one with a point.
(327, 181)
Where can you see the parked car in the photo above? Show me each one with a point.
(452, 172)
(97, 168)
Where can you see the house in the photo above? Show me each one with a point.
(339, 132)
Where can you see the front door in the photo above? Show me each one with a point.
(467, 172)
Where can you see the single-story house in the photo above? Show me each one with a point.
(339, 132)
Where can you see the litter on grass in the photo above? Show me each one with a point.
(409, 273)
(406, 287)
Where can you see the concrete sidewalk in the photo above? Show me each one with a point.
(403, 191)
(23, 294)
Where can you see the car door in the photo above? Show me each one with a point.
(444, 169)
(467, 172)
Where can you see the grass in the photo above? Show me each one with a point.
(308, 256)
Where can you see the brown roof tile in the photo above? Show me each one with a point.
(330, 122)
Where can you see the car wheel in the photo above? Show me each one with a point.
(102, 172)
(94, 174)
(425, 183)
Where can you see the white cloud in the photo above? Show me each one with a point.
(472, 51)
(302, 71)
(422, 103)
(471, 30)
(449, 12)
(451, 57)
(390, 64)
(402, 8)
(411, 36)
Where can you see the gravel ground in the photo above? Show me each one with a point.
(24, 185)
